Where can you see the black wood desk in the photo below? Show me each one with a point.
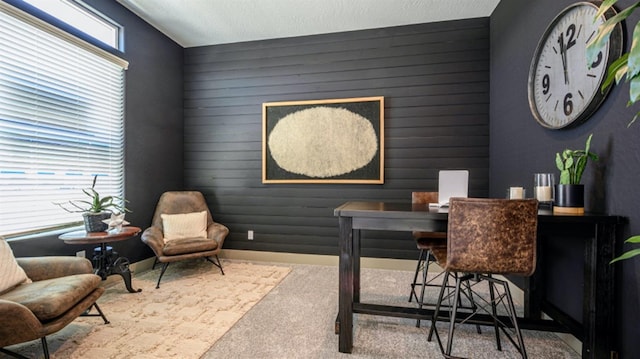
(600, 231)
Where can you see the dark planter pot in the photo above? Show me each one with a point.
(570, 196)
(93, 221)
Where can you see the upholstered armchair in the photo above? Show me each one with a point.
(53, 292)
(183, 228)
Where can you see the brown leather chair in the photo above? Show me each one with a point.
(432, 247)
(486, 237)
(184, 202)
(427, 243)
(62, 289)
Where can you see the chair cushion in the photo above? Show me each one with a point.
(51, 298)
(189, 245)
(184, 225)
(11, 274)
(437, 246)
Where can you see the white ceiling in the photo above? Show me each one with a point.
(193, 23)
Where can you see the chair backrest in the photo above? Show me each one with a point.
(492, 236)
(177, 202)
(426, 198)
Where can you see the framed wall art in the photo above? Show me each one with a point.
(323, 141)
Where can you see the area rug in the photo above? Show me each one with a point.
(194, 306)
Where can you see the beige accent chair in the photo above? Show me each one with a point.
(62, 289)
(184, 202)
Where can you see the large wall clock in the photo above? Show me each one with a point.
(563, 89)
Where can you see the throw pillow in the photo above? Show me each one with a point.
(185, 225)
(11, 274)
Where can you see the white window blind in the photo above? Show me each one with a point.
(61, 123)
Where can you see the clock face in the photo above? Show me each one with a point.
(563, 88)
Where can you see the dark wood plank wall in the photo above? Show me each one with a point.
(435, 80)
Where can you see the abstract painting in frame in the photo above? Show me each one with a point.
(323, 141)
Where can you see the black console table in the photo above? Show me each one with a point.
(600, 233)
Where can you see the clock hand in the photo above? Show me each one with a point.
(563, 54)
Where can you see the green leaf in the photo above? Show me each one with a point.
(631, 253)
(622, 73)
(568, 163)
(634, 119)
(581, 164)
(634, 239)
(616, 71)
(564, 177)
(604, 32)
(627, 255)
(559, 162)
(606, 5)
(586, 148)
(634, 90)
(634, 53)
(106, 199)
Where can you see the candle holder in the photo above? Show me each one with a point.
(543, 189)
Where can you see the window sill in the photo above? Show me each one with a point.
(55, 232)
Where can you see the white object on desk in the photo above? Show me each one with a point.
(452, 184)
(516, 193)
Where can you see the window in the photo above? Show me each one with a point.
(83, 18)
(61, 123)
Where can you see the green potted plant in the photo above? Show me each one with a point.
(627, 67)
(569, 195)
(96, 209)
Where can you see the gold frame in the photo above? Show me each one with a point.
(370, 109)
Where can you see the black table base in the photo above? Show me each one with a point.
(106, 262)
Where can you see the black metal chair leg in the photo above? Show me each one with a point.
(45, 347)
(219, 264)
(101, 314)
(452, 318)
(473, 305)
(415, 276)
(514, 319)
(494, 311)
(434, 318)
(164, 268)
(425, 272)
(12, 354)
(155, 261)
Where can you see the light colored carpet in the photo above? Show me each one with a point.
(293, 320)
(193, 308)
(296, 320)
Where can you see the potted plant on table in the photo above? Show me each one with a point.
(569, 191)
(97, 209)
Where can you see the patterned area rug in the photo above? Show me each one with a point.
(193, 308)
